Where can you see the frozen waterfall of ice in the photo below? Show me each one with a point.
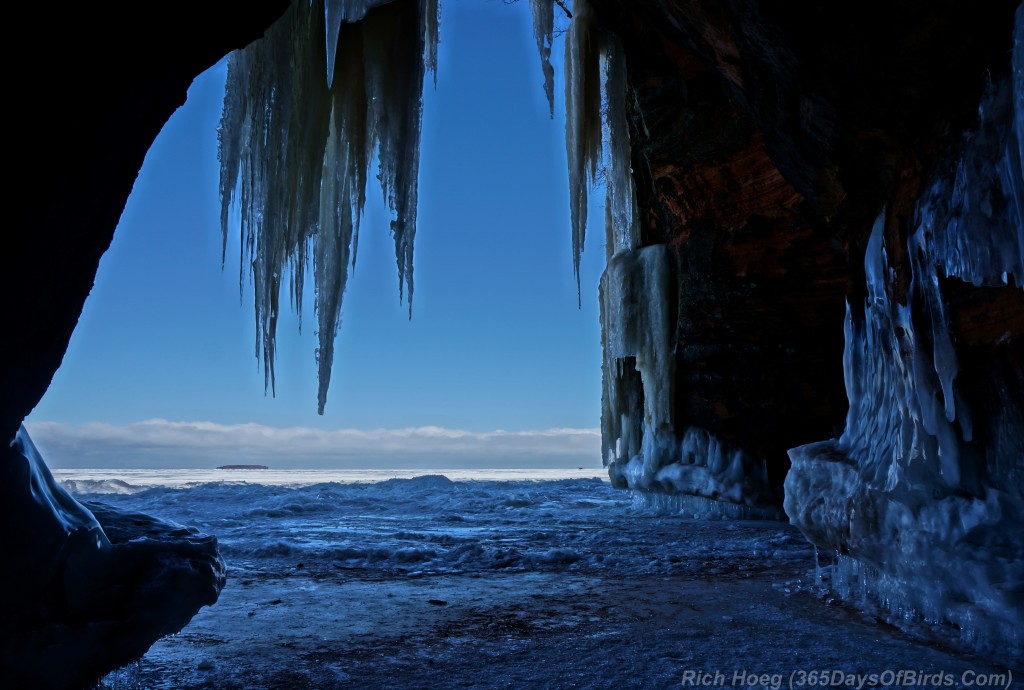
(302, 119)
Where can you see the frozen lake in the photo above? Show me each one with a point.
(500, 580)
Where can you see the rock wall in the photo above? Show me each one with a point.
(924, 485)
(801, 169)
(86, 105)
(766, 139)
(85, 589)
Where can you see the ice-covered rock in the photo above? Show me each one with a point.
(87, 589)
(924, 486)
(641, 446)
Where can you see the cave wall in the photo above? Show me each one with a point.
(842, 190)
(760, 277)
(87, 589)
(766, 139)
(85, 106)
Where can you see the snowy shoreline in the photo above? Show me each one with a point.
(130, 480)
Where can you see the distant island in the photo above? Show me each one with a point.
(243, 467)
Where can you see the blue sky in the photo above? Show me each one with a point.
(496, 341)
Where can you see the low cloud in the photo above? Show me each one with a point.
(159, 443)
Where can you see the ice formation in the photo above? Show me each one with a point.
(918, 489)
(699, 507)
(301, 121)
(597, 132)
(335, 13)
(637, 333)
(296, 146)
(621, 231)
(641, 446)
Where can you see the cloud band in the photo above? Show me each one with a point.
(159, 443)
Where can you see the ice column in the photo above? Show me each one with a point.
(638, 324)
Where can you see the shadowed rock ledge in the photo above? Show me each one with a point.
(86, 589)
(78, 601)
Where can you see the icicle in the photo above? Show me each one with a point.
(431, 36)
(582, 119)
(589, 138)
(394, 78)
(302, 144)
(334, 13)
(620, 209)
(543, 12)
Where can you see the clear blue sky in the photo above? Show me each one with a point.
(496, 340)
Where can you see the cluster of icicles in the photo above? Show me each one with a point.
(303, 118)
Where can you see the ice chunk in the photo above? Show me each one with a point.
(922, 556)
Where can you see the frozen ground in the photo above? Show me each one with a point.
(431, 583)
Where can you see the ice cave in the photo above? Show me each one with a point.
(812, 310)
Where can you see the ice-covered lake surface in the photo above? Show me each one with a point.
(502, 579)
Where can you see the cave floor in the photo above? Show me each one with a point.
(347, 629)
(429, 583)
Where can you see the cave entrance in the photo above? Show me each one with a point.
(496, 341)
(498, 369)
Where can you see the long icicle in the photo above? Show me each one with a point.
(582, 120)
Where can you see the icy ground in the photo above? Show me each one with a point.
(430, 583)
